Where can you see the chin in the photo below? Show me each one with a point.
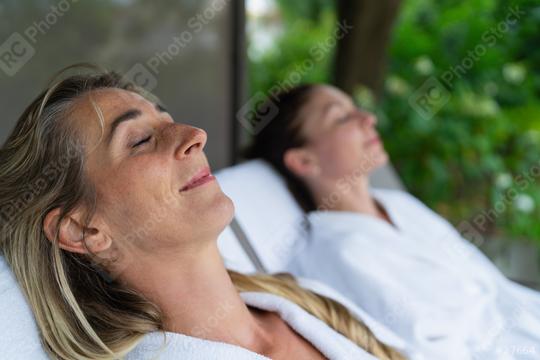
(221, 212)
(384, 159)
(379, 157)
(227, 209)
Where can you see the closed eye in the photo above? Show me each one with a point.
(143, 141)
(348, 116)
(344, 118)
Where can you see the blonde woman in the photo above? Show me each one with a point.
(111, 232)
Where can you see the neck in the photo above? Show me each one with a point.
(197, 297)
(353, 196)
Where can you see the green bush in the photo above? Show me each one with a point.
(477, 158)
(294, 59)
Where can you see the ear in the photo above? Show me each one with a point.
(70, 233)
(301, 162)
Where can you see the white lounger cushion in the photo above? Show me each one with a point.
(269, 215)
(266, 211)
(19, 338)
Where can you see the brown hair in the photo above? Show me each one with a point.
(281, 133)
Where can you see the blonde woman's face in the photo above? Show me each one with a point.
(154, 192)
(342, 137)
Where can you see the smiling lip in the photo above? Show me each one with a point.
(202, 177)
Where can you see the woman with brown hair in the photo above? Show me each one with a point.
(111, 234)
(390, 254)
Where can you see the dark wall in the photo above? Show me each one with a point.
(180, 50)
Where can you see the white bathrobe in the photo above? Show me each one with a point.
(330, 343)
(422, 280)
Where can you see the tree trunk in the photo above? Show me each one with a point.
(361, 54)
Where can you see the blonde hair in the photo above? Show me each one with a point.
(331, 312)
(81, 314)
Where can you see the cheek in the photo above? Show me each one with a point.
(145, 203)
(340, 152)
(134, 189)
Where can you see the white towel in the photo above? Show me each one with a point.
(381, 332)
(330, 343)
(19, 337)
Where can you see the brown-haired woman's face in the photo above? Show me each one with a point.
(342, 139)
(155, 194)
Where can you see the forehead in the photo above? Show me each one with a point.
(323, 94)
(321, 97)
(110, 102)
(312, 114)
(94, 110)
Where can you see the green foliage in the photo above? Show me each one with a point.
(312, 9)
(478, 155)
(471, 157)
(302, 53)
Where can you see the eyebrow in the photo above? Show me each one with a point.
(327, 108)
(130, 114)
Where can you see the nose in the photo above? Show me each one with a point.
(191, 141)
(367, 119)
